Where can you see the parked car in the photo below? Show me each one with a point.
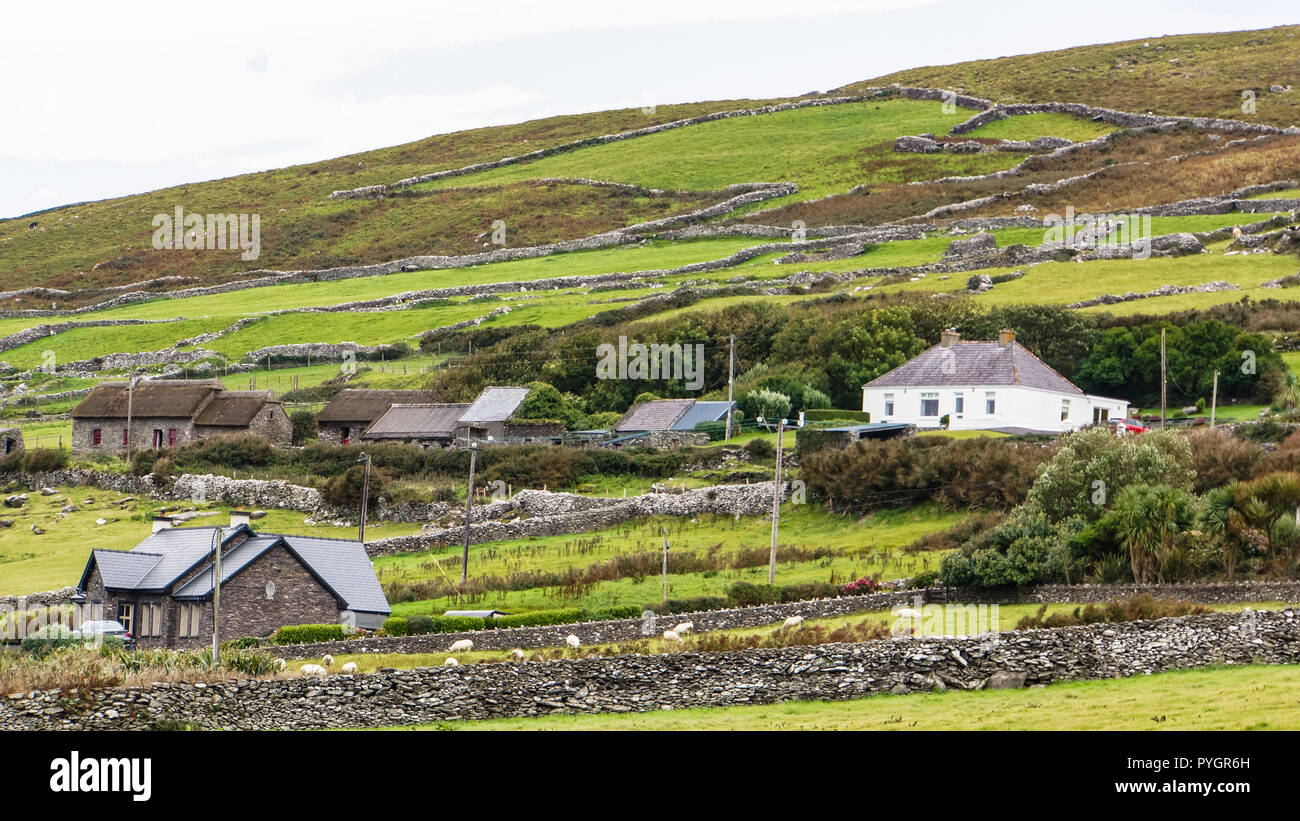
(93, 629)
(1130, 426)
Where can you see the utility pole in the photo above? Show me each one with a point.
(664, 583)
(1162, 378)
(130, 396)
(365, 496)
(216, 595)
(469, 508)
(731, 378)
(1214, 398)
(776, 504)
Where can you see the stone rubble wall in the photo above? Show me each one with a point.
(647, 683)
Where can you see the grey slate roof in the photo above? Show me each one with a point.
(658, 414)
(494, 404)
(702, 412)
(160, 559)
(974, 364)
(416, 422)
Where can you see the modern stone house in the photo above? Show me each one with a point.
(161, 589)
(424, 424)
(353, 410)
(164, 413)
(994, 385)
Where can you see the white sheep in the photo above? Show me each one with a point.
(671, 635)
(328, 661)
(349, 669)
(793, 621)
(684, 628)
(573, 641)
(312, 670)
(517, 654)
(451, 662)
(462, 646)
(909, 620)
(279, 664)
(1236, 232)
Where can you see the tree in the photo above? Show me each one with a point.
(1262, 502)
(765, 403)
(1149, 522)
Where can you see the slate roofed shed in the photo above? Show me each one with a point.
(494, 404)
(657, 414)
(366, 405)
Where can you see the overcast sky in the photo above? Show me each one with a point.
(103, 100)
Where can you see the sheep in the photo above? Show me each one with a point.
(671, 635)
(279, 665)
(684, 628)
(349, 669)
(573, 641)
(793, 621)
(313, 670)
(909, 620)
(450, 662)
(1236, 232)
(328, 661)
(462, 646)
(517, 654)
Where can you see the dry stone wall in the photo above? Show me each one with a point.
(831, 672)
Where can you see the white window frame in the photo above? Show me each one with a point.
(959, 404)
(990, 403)
(930, 397)
(1065, 409)
(889, 404)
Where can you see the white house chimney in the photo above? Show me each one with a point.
(949, 337)
(1005, 337)
(239, 517)
(161, 523)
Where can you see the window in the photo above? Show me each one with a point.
(1100, 416)
(96, 436)
(126, 615)
(191, 620)
(929, 404)
(171, 437)
(889, 404)
(959, 405)
(990, 403)
(1065, 409)
(185, 620)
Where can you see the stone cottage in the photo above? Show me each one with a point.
(353, 410)
(11, 442)
(492, 414)
(161, 590)
(164, 413)
(424, 424)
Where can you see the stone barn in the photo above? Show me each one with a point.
(161, 590)
(353, 410)
(11, 442)
(164, 413)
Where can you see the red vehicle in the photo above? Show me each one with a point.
(1130, 426)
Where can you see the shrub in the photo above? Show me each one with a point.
(924, 579)
(304, 426)
(40, 460)
(1220, 458)
(307, 633)
(455, 624)
(716, 431)
(618, 611)
(760, 449)
(862, 587)
(242, 643)
(419, 625)
(164, 470)
(691, 605)
(1133, 608)
(745, 594)
(238, 452)
(395, 626)
(344, 490)
(538, 618)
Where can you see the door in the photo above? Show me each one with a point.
(157, 437)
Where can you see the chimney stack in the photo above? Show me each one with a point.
(239, 517)
(1005, 337)
(161, 523)
(949, 337)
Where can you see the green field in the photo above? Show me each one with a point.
(1257, 697)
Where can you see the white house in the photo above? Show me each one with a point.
(982, 386)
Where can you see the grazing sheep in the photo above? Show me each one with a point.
(462, 646)
(517, 654)
(451, 662)
(328, 661)
(684, 628)
(349, 669)
(573, 641)
(279, 664)
(793, 621)
(313, 670)
(909, 620)
(1236, 232)
(671, 635)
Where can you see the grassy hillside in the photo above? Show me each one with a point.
(1194, 75)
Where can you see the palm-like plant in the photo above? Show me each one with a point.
(1148, 523)
(1289, 395)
